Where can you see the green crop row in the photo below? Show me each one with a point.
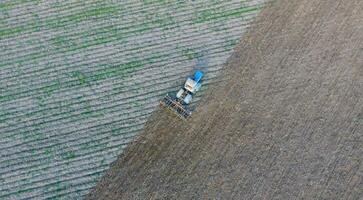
(59, 22)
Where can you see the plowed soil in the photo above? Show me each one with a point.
(285, 122)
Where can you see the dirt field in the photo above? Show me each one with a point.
(286, 124)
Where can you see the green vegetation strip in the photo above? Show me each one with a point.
(121, 32)
(122, 70)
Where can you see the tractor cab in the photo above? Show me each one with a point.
(193, 84)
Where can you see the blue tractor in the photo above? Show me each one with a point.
(179, 103)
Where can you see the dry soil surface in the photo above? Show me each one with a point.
(286, 122)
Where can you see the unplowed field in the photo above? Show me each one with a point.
(286, 122)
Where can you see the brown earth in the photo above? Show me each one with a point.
(287, 123)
